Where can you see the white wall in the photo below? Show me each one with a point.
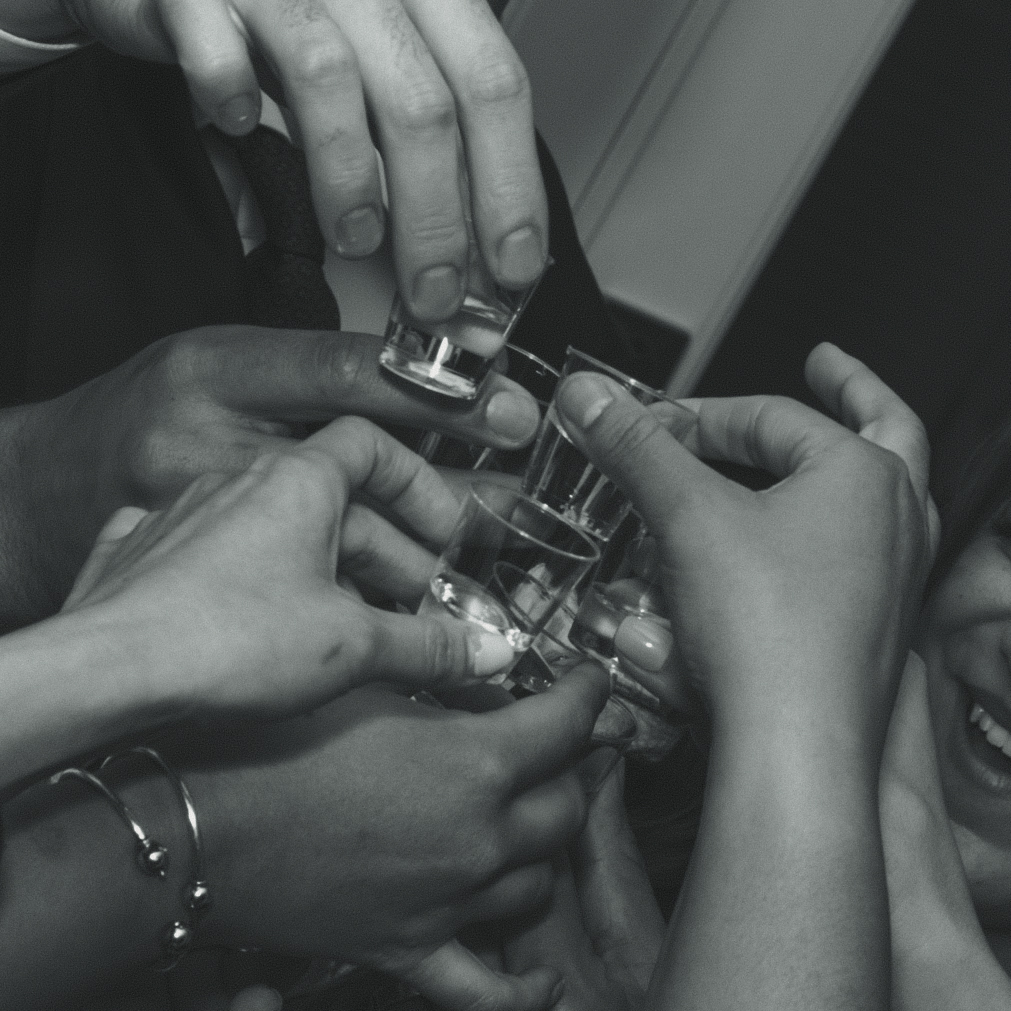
(687, 131)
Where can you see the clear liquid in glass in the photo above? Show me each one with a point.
(561, 477)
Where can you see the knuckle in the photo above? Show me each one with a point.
(320, 58)
(630, 441)
(500, 78)
(339, 363)
(426, 108)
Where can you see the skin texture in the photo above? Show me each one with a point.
(792, 611)
(437, 83)
(173, 616)
(209, 400)
(457, 834)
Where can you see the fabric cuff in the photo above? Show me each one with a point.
(23, 54)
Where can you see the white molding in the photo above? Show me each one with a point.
(729, 108)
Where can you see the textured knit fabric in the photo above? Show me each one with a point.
(285, 274)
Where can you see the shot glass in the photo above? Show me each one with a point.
(509, 564)
(538, 379)
(453, 357)
(561, 477)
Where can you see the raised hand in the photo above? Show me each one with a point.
(791, 611)
(374, 831)
(424, 74)
(209, 400)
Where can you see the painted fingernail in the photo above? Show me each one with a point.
(437, 291)
(238, 114)
(359, 232)
(513, 416)
(582, 398)
(645, 643)
(492, 654)
(521, 257)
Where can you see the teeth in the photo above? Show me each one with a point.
(997, 735)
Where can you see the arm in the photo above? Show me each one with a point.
(791, 610)
(407, 70)
(208, 400)
(172, 615)
(496, 801)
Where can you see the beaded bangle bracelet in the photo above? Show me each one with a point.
(177, 938)
(152, 857)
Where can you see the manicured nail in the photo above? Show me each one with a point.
(437, 291)
(359, 232)
(238, 114)
(678, 420)
(513, 416)
(492, 654)
(645, 643)
(520, 257)
(582, 398)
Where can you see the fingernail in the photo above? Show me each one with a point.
(359, 232)
(645, 643)
(437, 291)
(557, 992)
(238, 114)
(492, 654)
(513, 416)
(583, 397)
(676, 419)
(520, 257)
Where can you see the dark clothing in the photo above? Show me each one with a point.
(114, 231)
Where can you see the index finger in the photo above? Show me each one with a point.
(543, 734)
(315, 375)
(867, 406)
(363, 458)
(634, 448)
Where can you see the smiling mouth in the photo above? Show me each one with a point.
(997, 736)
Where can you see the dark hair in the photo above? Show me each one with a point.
(971, 468)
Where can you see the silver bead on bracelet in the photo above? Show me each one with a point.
(152, 856)
(177, 938)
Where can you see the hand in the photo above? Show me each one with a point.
(940, 956)
(602, 929)
(227, 601)
(375, 830)
(425, 73)
(208, 400)
(778, 597)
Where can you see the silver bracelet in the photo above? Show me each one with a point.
(177, 938)
(152, 856)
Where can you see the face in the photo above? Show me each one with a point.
(965, 640)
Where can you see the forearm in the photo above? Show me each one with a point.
(73, 683)
(76, 912)
(784, 905)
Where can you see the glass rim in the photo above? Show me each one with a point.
(621, 377)
(532, 357)
(474, 494)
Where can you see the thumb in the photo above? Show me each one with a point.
(631, 443)
(455, 979)
(416, 650)
(119, 525)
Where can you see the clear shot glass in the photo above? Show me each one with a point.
(538, 378)
(453, 357)
(561, 477)
(509, 565)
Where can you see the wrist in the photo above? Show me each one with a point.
(75, 682)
